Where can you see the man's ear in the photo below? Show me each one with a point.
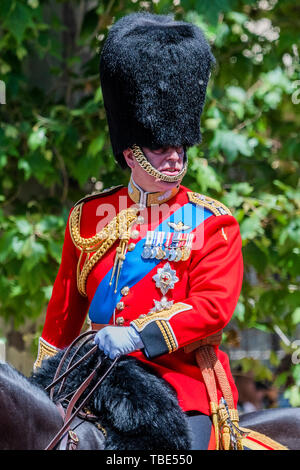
(129, 157)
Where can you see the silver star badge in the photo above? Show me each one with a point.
(162, 304)
(165, 278)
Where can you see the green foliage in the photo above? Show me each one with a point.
(54, 144)
(261, 372)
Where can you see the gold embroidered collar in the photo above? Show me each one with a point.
(145, 198)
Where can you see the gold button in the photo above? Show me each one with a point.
(120, 305)
(120, 321)
(131, 246)
(125, 290)
(135, 234)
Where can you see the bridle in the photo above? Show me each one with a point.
(70, 439)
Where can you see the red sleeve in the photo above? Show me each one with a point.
(67, 308)
(215, 280)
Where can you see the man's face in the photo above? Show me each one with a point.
(168, 161)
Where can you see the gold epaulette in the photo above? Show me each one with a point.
(96, 194)
(216, 207)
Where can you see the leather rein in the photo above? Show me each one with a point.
(68, 437)
(224, 416)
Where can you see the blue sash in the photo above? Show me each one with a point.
(136, 268)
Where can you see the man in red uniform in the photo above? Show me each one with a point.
(157, 267)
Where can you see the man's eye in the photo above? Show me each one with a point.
(165, 150)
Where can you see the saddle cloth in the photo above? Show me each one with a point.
(257, 441)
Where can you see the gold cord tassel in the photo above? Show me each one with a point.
(121, 254)
(215, 421)
(224, 428)
(225, 422)
(229, 433)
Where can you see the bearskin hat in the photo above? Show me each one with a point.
(154, 73)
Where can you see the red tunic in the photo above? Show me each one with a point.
(204, 294)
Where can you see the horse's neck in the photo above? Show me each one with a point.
(28, 418)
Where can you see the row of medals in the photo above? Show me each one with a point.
(177, 247)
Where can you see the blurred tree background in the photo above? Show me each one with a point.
(54, 147)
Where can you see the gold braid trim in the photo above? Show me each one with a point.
(166, 314)
(45, 350)
(119, 227)
(92, 243)
(262, 441)
(167, 335)
(213, 205)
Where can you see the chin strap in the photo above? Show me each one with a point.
(146, 165)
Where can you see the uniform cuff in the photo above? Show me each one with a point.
(158, 339)
(45, 351)
(156, 332)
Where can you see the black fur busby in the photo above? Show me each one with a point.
(154, 73)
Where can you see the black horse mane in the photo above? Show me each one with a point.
(138, 409)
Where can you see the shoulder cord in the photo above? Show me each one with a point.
(100, 243)
(224, 415)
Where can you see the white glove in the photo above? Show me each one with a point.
(115, 341)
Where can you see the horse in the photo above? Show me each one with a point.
(29, 419)
(135, 409)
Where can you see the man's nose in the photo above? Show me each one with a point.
(175, 153)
